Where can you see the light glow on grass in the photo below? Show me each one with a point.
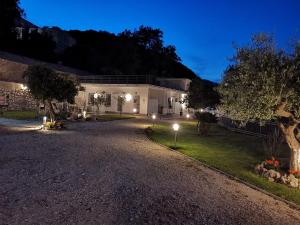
(233, 153)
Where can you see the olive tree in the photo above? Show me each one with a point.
(47, 85)
(263, 84)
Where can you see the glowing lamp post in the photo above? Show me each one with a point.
(44, 122)
(84, 114)
(175, 128)
(153, 118)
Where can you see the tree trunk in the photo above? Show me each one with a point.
(51, 111)
(293, 143)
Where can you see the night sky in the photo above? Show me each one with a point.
(203, 31)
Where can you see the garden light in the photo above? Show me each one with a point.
(96, 95)
(175, 128)
(84, 114)
(153, 118)
(187, 116)
(44, 119)
(134, 110)
(128, 97)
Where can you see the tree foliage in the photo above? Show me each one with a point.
(141, 51)
(202, 94)
(9, 13)
(263, 83)
(47, 85)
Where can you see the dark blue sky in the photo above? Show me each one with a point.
(202, 30)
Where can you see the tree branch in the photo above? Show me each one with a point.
(280, 111)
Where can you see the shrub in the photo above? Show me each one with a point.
(204, 121)
(54, 125)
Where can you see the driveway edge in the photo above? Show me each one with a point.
(289, 203)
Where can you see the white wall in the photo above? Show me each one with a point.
(118, 90)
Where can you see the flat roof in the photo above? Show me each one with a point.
(134, 85)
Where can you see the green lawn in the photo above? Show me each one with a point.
(234, 153)
(110, 117)
(19, 115)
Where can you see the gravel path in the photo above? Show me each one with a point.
(109, 173)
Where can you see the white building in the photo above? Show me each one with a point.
(165, 96)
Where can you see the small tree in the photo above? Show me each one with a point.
(204, 121)
(47, 85)
(100, 100)
(263, 84)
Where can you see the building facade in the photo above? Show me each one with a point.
(131, 98)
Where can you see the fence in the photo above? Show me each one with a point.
(253, 128)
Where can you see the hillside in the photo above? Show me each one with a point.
(141, 51)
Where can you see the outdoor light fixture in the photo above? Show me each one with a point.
(44, 119)
(187, 116)
(96, 95)
(24, 87)
(153, 118)
(84, 114)
(134, 110)
(201, 110)
(175, 128)
(128, 97)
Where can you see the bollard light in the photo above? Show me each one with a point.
(44, 119)
(84, 114)
(175, 128)
(153, 118)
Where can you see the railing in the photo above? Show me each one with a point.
(250, 128)
(119, 79)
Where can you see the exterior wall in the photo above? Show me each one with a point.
(12, 97)
(140, 91)
(168, 100)
(151, 99)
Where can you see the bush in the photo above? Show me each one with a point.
(54, 125)
(204, 121)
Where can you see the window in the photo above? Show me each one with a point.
(108, 100)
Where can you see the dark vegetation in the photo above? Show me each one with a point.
(137, 52)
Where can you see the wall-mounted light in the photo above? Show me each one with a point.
(24, 87)
(128, 97)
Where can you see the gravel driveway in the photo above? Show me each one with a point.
(109, 173)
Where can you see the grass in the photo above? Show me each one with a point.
(231, 152)
(111, 117)
(19, 115)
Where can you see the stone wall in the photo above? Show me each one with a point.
(18, 100)
(14, 98)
